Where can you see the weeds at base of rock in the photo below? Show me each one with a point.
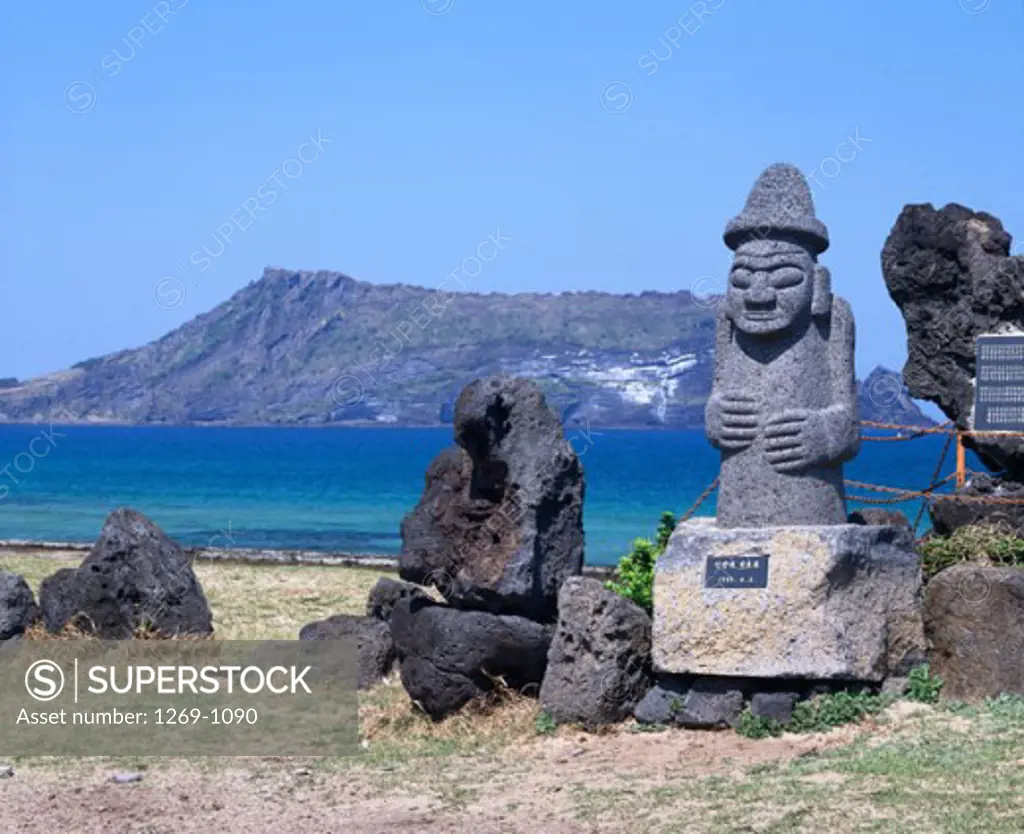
(923, 686)
(544, 724)
(825, 712)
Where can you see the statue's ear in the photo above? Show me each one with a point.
(821, 296)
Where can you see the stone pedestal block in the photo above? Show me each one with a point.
(837, 602)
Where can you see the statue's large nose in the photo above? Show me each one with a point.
(761, 292)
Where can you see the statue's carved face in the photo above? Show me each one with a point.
(771, 286)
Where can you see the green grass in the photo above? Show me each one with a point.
(947, 771)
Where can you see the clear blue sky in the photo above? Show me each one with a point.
(443, 127)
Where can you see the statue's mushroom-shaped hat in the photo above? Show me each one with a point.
(779, 203)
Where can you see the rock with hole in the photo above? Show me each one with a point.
(499, 527)
(951, 274)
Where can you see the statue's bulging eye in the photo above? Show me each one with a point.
(741, 278)
(786, 277)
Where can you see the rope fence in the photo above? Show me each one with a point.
(898, 495)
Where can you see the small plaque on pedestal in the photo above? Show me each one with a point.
(736, 572)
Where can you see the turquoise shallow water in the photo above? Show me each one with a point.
(343, 489)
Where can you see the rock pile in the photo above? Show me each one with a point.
(949, 515)
(372, 632)
(497, 531)
(135, 577)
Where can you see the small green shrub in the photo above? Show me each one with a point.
(923, 686)
(666, 525)
(985, 544)
(822, 713)
(544, 724)
(634, 576)
(757, 726)
(817, 715)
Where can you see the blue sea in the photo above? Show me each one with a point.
(345, 489)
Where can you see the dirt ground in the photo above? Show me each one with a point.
(911, 770)
(529, 787)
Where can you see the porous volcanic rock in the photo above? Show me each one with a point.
(664, 701)
(18, 609)
(134, 577)
(949, 514)
(386, 593)
(695, 703)
(449, 656)
(974, 621)
(499, 527)
(951, 274)
(778, 706)
(711, 704)
(372, 637)
(599, 662)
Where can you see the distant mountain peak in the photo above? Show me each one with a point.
(316, 347)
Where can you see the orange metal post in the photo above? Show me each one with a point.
(961, 462)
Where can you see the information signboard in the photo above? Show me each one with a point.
(999, 384)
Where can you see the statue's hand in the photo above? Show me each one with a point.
(738, 417)
(792, 439)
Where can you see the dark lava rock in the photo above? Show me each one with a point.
(974, 621)
(695, 703)
(372, 638)
(500, 524)
(777, 706)
(951, 274)
(134, 577)
(449, 656)
(58, 599)
(599, 662)
(948, 514)
(18, 610)
(711, 704)
(386, 593)
(879, 517)
(664, 701)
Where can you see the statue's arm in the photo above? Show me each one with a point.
(797, 438)
(841, 419)
(713, 410)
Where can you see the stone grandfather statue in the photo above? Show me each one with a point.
(780, 587)
(783, 407)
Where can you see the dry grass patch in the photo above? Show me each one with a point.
(394, 729)
(272, 602)
(249, 602)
